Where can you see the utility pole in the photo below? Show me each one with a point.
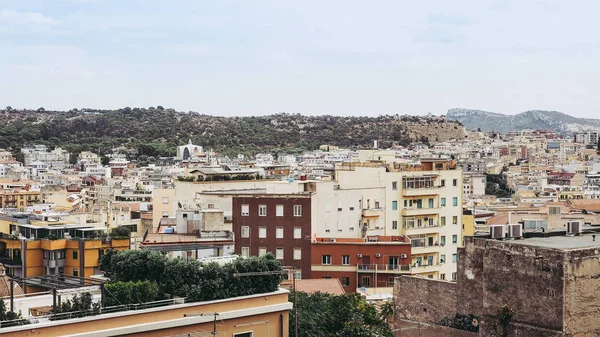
(263, 273)
(214, 314)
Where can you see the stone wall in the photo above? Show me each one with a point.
(424, 300)
(420, 330)
(582, 298)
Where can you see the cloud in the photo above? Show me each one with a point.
(450, 20)
(13, 17)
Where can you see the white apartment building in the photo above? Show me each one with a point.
(587, 138)
(423, 202)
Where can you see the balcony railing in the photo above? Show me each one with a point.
(394, 268)
(420, 211)
(421, 191)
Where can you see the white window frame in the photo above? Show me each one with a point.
(326, 260)
(278, 251)
(262, 210)
(297, 254)
(297, 232)
(345, 260)
(245, 252)
(262, 232)
(297, 210)
(262, 251)
(245, 210)
(245, 232)
(279, 232)
(279, 210)
(165, 200)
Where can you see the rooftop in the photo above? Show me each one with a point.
(561, 242)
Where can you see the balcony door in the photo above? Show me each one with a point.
(393, 262)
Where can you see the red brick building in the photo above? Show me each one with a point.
(370, 262)
(274, 223)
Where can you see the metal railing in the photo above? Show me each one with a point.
(384, 267)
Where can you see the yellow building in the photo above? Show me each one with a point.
(19, 199)
(57, 249)
(468, 223)
(255, 315)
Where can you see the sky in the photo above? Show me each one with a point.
(311, 57)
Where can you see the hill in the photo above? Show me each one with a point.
(534, 119)
(157, 131)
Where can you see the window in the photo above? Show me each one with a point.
(298, 274)
(262, 210)
(279, 253)
(245, 210)
(122, 217)
(454, 238)
(297, 210)
(455, 201)
(394, 205)
(326, 259)
(345, 281)
(75, 272)
(346, 260)
(443, 183)
(165, 200)
(245, 251)
(453, 276)
(442, 276)
(297, 253)
(443, 202)
(454, 182)
(326, 277)
(245, 232)
(100, 255)
(443, 221)
(366, 281)
(279, 210)
(390, 281)
(455, 220)
(262, 232)
(262, 251)
(165, 214)
(394, 185)
(430, 201)
(244, 334)
(429, 276)
(297, 232)
(394, 224)
(454, 257)
(279, 232)
(75, 253)
(443, 240)
(443, 258)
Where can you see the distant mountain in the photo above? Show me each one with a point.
(533, 119)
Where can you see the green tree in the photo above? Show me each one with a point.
(80, 305)
(348, 315)
(130, 292)
(120, 232)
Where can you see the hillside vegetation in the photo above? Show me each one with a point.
(157, 131)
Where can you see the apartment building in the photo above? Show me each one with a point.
(275, 223)
(19, 199)
(39, 250)
(359, 263)
(422, 201)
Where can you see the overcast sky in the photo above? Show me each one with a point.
(311, 57)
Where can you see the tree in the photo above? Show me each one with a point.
(130, 292)
(120, 232)
(80, 305)
(347, 315)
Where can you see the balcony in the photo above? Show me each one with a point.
(413, 192)
(15, 262)
(424, 268)
(384, 268)
(413, 211)
(372, 212)
(333, 267)
(424, 229)
(54, 263)
(426, 249)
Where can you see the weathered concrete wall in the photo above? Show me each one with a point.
(424, 300)
(582, 299)
(470, 280)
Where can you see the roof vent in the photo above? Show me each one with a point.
(515, 231)
(574, 228)
(497, 231)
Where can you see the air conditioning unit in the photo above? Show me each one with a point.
(497, 231)
(574, 227)
(515, 231)
(377, 255)
(359, 255)
(403, 256)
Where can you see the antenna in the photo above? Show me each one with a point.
(214, 314)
